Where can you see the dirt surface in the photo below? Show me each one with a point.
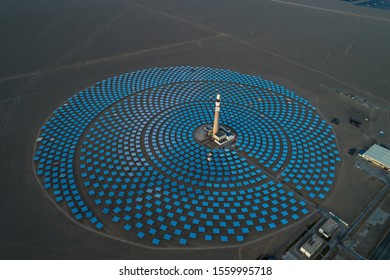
(50, 51)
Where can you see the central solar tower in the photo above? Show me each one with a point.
(216, 115)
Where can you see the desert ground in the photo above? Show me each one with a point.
(331, 52)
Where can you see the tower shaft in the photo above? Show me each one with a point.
(216, 114)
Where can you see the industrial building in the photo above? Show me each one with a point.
(311, 245)
(378, 155)
(328, 228)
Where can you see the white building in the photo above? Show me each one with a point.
(328, 228)
(311, 245)
(379, 156)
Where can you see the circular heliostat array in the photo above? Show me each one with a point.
(120, 157)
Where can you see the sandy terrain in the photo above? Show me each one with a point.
(51, 51)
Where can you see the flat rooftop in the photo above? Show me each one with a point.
(379, 155)
(329, 226)
(312, 244)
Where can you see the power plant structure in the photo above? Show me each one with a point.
(216, 115)
(219, 134)
(156, 172)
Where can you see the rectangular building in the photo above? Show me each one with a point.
(311, 245)
(378, 155)
(328, 228)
